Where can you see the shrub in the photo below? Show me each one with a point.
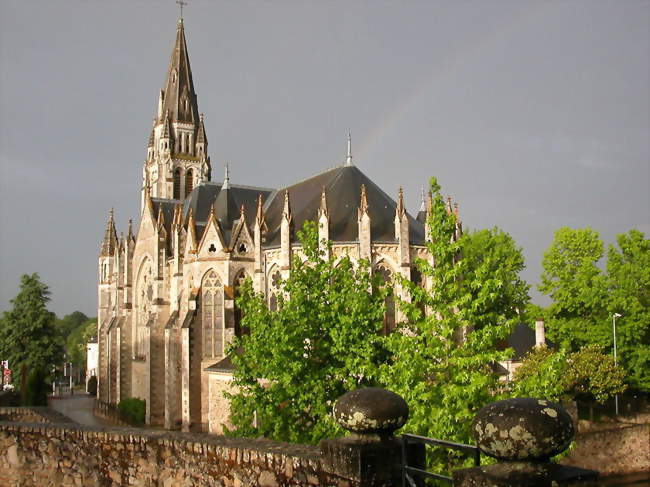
(132, 410)
(36, 388)
(92, 386)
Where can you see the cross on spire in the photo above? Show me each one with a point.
(181, 4)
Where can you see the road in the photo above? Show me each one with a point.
(79, 408)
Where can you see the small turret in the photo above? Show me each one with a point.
(363, 222)
(285, 237)
(422, 212)
(429, 212)
(201, 139)
(110, 243)
(402, 231)
(323, 224)
(192, 242)
(257, 243)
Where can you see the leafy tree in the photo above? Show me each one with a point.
(541, 375)
(77, 340)
(28, 336)
(628, 272)
(442, 362)
(493, 252)
(585, 297)
(69, 323)
(588, 372)
(578, 288)
(321, 342)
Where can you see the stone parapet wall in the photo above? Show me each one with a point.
(616, 450)
(36, 414)
(48, 454)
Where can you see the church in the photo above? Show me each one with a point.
(167, 289)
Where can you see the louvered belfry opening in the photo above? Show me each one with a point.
(189, 182)
(177, 184)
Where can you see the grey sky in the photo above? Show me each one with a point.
(532, 114)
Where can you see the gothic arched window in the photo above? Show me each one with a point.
(386, 276)
(274, 288)
(237, 284)
(177, 184)
(189, 183)
(212, 314)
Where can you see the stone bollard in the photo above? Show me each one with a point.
(370, 455)
(523, 434)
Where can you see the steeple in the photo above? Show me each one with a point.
(177, 153)
(179, 96)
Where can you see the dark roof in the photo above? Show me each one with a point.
(168, 207)
(522, 341)
(343, 189)
(179, 84)
(223, 365)
(226, 202)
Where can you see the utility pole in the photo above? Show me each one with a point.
(614, 316)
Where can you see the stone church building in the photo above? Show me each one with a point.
(166, 290)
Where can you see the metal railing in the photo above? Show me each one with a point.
(407, 470)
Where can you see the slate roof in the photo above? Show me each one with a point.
(227, 203)
(343, 188)
(179, 83)
(522, 341)
(223, 365)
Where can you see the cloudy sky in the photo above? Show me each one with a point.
(532, 114)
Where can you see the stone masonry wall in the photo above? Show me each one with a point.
(33, 454)
(617, 450)
(36, 414)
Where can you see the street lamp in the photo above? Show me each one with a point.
(614, 316)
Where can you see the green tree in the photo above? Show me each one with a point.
(628, 273)
(320, 343)
(442, 362)
(69, 323)
(587, 373)
(585, 297)
(28, 336)
(76, 343)
(572, 279)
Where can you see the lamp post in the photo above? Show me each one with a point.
(614, 316)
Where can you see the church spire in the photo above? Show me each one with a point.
(179, 96)
(177, 144)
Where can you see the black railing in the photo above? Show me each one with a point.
(407, 470)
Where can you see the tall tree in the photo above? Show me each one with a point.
(322, 341)
(442, 361)
(585, 297)
(28, 336)
(572, 279)
(71, 322)
(628, 273)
